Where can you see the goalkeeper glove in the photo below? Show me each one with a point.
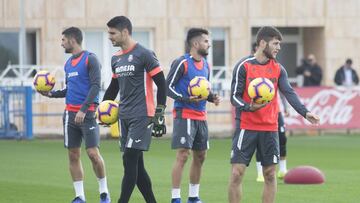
(159, 128)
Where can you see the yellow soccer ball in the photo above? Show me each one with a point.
(199, 86)
(261, 90)
(107, 112)
(44, 81)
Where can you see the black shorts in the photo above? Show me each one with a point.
(74, 133)
(282, 138)
(135, 133)
(245, 142)
(190, 134)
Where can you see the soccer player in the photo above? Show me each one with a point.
(282, 141)
(82, 75)
(256, 124)
(190, 130)
(134, 70)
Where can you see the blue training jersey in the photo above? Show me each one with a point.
(77, 80)
(182, 85)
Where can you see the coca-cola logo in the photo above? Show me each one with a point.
(333, 106)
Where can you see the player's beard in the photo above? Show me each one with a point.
(68, 50)
(267, 52)
(203, 52)
(117, 44)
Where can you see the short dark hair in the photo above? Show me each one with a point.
(195, 32)
(267, 33)
(120, 23)
(348, 61)
(75, 33)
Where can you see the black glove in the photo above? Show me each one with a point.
(159, 128)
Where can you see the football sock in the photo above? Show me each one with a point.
(194, 190)
(135, 173)
(103, 185)
(175, 193)
(282, 165)
(144, 182)
(79, 189)
(130, 162)
(259, 168)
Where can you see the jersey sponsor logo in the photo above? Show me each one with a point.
(73, 74)
(126, 70)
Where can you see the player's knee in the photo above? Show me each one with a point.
(200, 156)
(269, 174)
(235, 179)
(269, 178)
(182, 155)
(94, 155)
(74, 156)
(236, 176)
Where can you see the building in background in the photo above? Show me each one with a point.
(328, 28)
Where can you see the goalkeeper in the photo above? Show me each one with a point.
(134, 70)
(190, 130)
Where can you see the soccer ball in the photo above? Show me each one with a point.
(107, 112)
(44, 81)
(261, 90)
(199, 86)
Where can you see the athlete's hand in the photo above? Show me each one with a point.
(196, 98)
(79, 117)
(312, 118)
(254, 106)
(159, 128)
(46, 94)
(103, 124)
(99, 122)
(217, 99)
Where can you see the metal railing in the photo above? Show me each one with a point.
(16, 112)
(15, 75)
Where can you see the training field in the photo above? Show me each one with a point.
(36, 171)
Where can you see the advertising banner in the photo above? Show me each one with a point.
(338, 108)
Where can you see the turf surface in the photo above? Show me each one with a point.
(36, 171)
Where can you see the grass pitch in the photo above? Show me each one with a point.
(37, 171)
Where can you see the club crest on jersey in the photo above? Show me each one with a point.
(253, 69)
(182, 140)
(130, 58)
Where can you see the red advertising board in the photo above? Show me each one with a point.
(337, 107)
